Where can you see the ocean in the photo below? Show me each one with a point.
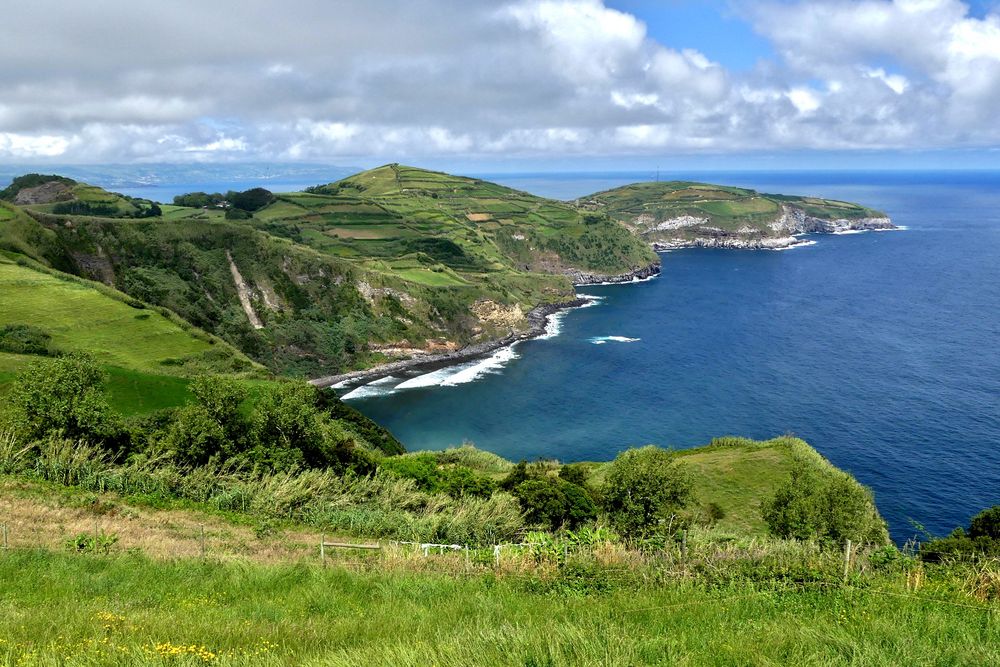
(881, 349)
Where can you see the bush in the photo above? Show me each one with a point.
(986, 524)
(24, 339)
(645, 490)
(63, 396)
(828, 507)
(554, 503)
(238, 214)
(981, 539)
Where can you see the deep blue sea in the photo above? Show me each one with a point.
(880, 349)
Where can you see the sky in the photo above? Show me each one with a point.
(504, 84)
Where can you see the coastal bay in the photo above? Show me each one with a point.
(867, 345)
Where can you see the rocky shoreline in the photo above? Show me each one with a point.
(791, 225)
(537, 317)
(581, 278)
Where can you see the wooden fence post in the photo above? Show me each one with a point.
(684, 545)
(322, 549)
(847, 559)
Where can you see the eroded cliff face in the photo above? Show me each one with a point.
(692, 232)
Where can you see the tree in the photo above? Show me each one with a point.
(64, 396)
(221, 399)
(195, 436)
(554, 502)
(828, 507)
(644, 489)
(251, 200)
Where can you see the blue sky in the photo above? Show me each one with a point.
(506, 84)
(713, 27)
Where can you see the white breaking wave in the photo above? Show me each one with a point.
(367, 391)
(432, 379)
(601, 340)
(462, 373)
(801, 244)
(493, 364)
(851, 231)
(469, 371)
(553, 325)
(898, 228)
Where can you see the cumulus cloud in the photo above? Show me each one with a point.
(320, 80)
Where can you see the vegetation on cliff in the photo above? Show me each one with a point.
(681, 211)
(379, 266)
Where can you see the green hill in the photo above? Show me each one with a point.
(681, 213)
(383, 265)
(147, 352)
(58, 194)
(480, 226)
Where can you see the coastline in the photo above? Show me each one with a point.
(538, 318)
(793, 225)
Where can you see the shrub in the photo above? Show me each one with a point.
(574, 474)
(238, 214)
(194, 436)
(24, 339)
(828, 507)
(981, 539)
(645, 488)
(554, 503)
(64, 396)
(986, 524)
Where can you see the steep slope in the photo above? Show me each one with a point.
(148, 353)
(391, 264)
(683, 214)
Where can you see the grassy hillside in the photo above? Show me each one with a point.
(468, 224)
(147, 352)
(684, 211)
(78, 316)
(735, 474)
(376, 267)
(58, 194)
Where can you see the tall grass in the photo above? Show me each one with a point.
(127, 610)
(379, 505)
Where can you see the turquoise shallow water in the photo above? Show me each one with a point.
(880, 349)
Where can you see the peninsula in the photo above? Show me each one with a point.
(682, 214)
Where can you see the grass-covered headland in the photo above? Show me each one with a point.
(194, 540)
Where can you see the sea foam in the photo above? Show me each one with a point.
(601, 340)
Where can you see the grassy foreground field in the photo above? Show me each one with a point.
(61, 609)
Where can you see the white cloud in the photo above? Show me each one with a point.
(32, 146)
(429, 78)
